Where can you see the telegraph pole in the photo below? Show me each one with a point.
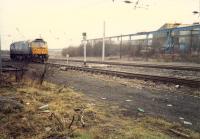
(147, 43)
(84, 43)
(120, 48)
(103, 46)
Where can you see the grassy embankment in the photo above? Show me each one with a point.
(100, 120)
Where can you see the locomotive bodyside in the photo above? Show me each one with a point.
(20, 50)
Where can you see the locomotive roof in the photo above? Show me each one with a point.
(19, 42)
(39, 40)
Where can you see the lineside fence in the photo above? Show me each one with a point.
(174, 44)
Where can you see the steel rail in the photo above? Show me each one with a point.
(164, 79)
(187, 68)
(157, 66)
(12, 69)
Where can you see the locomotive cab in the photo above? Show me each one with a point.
(39, 49)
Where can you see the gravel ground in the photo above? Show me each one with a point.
(136, 61)
(155, 99)
(170, 106)
(162, 72)
(141, 70)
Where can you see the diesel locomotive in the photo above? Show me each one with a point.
(36, 50)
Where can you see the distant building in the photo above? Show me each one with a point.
(181, 41)
(173, 25)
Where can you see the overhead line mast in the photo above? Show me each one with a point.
(137, 4)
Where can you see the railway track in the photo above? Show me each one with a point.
(157, 66)
(187, 68)
(130, 75)
(155, 78)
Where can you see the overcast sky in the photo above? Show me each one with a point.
(61, 22)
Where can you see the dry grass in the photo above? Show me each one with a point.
(101, 120)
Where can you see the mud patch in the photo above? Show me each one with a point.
(10, 105)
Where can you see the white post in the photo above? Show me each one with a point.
(85, 51)
(103, 47)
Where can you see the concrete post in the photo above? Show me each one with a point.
(147, 43)
(85, 52)
(103, 46)
(191, 43)
(84, 47)
(120, 48)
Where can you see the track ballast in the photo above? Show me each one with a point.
(156, 78)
